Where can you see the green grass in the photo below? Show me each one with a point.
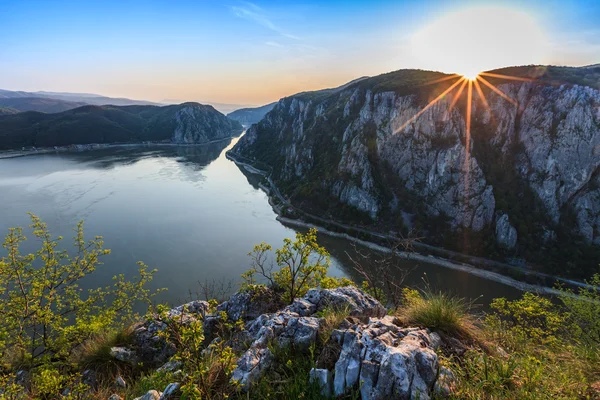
(438, 312)
(95, 354)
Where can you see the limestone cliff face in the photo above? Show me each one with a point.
(198, 123)
(352, 146)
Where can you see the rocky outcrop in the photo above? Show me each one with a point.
(386, 360)
(506, 234)
(375, 354)
(198, 123)
(362, 148)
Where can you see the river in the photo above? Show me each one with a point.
(186, 210)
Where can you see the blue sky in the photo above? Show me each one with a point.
(243, 52)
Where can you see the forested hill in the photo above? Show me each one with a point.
(185, 123)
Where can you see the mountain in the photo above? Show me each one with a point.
(249, 116)
(187, 123)
(41, 104)
(528, 189)
(84, 98)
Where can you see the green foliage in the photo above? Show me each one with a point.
(47, 382)
(584, 310)
(302, 265)
(330, 282)
(45, 312)
(532, 318)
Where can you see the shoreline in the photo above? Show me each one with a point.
(481, 271)
(98, 146)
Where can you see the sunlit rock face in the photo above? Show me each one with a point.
(197, 123)
(352, 146)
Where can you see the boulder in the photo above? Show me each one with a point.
(170, 391)
(120, 381)
(115, 396)
(251, 366)
(297, 325)
(322, 377)
(388, 361)
(124, 354)
(150, 395)
(250, 304)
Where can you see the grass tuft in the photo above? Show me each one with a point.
(438, 312)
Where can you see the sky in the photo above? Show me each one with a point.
(253, 53)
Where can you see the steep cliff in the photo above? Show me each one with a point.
(530, 179)
(185, 123)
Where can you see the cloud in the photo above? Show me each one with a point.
(254, 13)
(273, 44)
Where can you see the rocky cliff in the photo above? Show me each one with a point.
(530, 177)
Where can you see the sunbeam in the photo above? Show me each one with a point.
(431, 103)
(495, 89)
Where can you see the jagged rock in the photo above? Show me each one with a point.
(506, 234)
(323, 378)
(89, 378)
(150, 395)
(22, 378)
(124, 354)
(120, 381)
(170, 391)
(388, 361)
(252, 365)
(248, 305)
(435, 339)
(196, 307)
(296, 325)
(443, 384)
(115, 396)
(170, 366)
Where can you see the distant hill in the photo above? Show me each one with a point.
(8, 111)
(41, 104)
(249, 116)
(186, 123)
(85, 98)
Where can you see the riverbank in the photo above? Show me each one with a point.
(521, 278)
(99, 146)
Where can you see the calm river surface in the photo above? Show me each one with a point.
(187, 211)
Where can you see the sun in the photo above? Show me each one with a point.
(470, 75)
(480, 38)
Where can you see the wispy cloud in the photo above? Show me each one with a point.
(273, 44)
(254, 13)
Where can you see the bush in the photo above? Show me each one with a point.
(302, 265)
(48, 320)
(584, 310)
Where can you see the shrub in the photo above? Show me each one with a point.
(584, 310)
(45, 313)
(531, 318)
(302, 265)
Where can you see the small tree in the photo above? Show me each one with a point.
(302, 265)
(45, 313)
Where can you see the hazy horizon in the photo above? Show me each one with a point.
(254, 53)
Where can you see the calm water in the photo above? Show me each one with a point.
(187, 211)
